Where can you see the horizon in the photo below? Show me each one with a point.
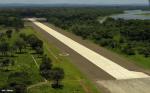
(77, 2)
(14, 4)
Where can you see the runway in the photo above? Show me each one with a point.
(110, 67)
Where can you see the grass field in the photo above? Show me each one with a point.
(139, 60)
(74, 82)
(23, 62)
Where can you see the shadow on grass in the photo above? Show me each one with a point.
(21, 52)
(6, 70)
(33, 53)
(55, 86)
(4, 56)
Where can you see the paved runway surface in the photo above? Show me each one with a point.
(127, 86)
(107, 65)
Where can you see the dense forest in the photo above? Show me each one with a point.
(129, 37)
(11, 20)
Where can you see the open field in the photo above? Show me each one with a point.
(137, 59)
(23, 62)
(74, 80)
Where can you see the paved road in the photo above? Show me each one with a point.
(127, 86)
(107, 65)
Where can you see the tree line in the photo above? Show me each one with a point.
(11, 18)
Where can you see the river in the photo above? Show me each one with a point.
(133, 14)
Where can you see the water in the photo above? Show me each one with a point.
(133, 14)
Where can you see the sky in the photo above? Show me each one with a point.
(100, 2)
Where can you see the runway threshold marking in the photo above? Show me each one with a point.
(100, 61)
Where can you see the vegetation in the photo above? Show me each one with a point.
(127, 37)
(57, 75)
(13, 68)
(19, 79)
(14, 63)
(49, 73)
(21, 50)
(11, 21)
(46, 68)
(73, 77)
(20, 47)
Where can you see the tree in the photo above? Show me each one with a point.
(34, 41)
(18, 23)
(13, 49)
(9, 33)
(20, 44)
(19, 81)
(39, 50)
(6, 62)
(4, 48)
(128, 50)
(2, 36)
(57, 75)
(45, 68)
(19, 88)
(145, 51)
(19, 78)
(23, 36)
(104, 42)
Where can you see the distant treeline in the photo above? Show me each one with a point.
(129, 37)
(126, 36)
(9, 18)
(65, 18)
(13, 17)
(40, 12)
